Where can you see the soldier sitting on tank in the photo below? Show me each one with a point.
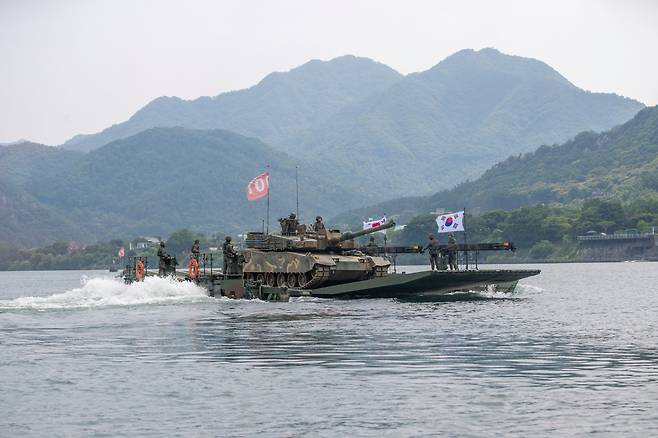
(196, 250)
(230, 256)
(372, 248)
(318, 226)
(434, 252)
(452, 252)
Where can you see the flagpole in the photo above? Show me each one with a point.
(465, 237)
(267, 226)
(297, 189)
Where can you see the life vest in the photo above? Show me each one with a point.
(193, 269)
(139, 270)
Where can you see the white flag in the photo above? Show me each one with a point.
(450, 222)
(374, 223)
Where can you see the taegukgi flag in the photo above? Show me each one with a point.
(374, 223)
(450, 222)
(258, 187)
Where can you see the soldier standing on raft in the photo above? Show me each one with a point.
(162, 256)
(452, 252)
(434, 252)
(196, 250)
(371, 247)
(230, 255)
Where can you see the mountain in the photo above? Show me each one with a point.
(621, 164)
(396, 135)
(359, 132)
(157, 181)
(281, 105)
(434, 129)
(24, 218)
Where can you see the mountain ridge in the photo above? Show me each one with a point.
(621, 163)
(249, 112)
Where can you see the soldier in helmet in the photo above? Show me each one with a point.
(371, 247)
(318, 226)
(162, 260)
(452, 252)
(230, 255)
(293, 223)
(434, 252)
(196, 250)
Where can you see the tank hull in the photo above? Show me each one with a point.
(283, 268)
(420, 284)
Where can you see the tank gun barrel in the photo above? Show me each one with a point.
(352, 235)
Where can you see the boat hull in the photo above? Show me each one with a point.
(421, 284)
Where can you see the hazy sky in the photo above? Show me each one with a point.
(69, 67)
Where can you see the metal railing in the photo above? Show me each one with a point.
(632, 236)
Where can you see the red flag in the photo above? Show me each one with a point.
(258, 187)
(122, 252)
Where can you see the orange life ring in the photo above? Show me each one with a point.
(193, 269)
(139, 270)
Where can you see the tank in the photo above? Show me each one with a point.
(307, 259)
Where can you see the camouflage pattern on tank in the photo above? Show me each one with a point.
(309, 259)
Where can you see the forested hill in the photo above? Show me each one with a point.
(396, 135)
(621, 163)
(280, 105)
(437, 128)
(153, 183)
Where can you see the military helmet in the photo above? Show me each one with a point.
(227, 238)
(292, 215)
(162, 243)
(196, 241)
(318, 218)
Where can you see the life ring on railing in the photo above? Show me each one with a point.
(140, 272)
(193, 269)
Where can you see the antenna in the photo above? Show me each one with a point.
(268, 204)
(297, 188)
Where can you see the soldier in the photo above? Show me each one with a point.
(293, 223)
(452, 252)
(162, 256)
(196, 250)
(230, 255)
(434, 252)
(318, 226)
(371, 247)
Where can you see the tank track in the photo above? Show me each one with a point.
(305, 280)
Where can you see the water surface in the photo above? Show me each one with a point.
(574, 351)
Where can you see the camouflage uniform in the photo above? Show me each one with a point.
(435, 253)
(162, 257)
(230, 256)
(196, 250)
(452, 252)
(318, 226)
(371, 247)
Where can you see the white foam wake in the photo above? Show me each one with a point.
(112, 292)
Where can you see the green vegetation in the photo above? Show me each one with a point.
(362, 122)
(63, 255)
(157, 181)
(618, 164)
(543, 232)
(363, 133)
